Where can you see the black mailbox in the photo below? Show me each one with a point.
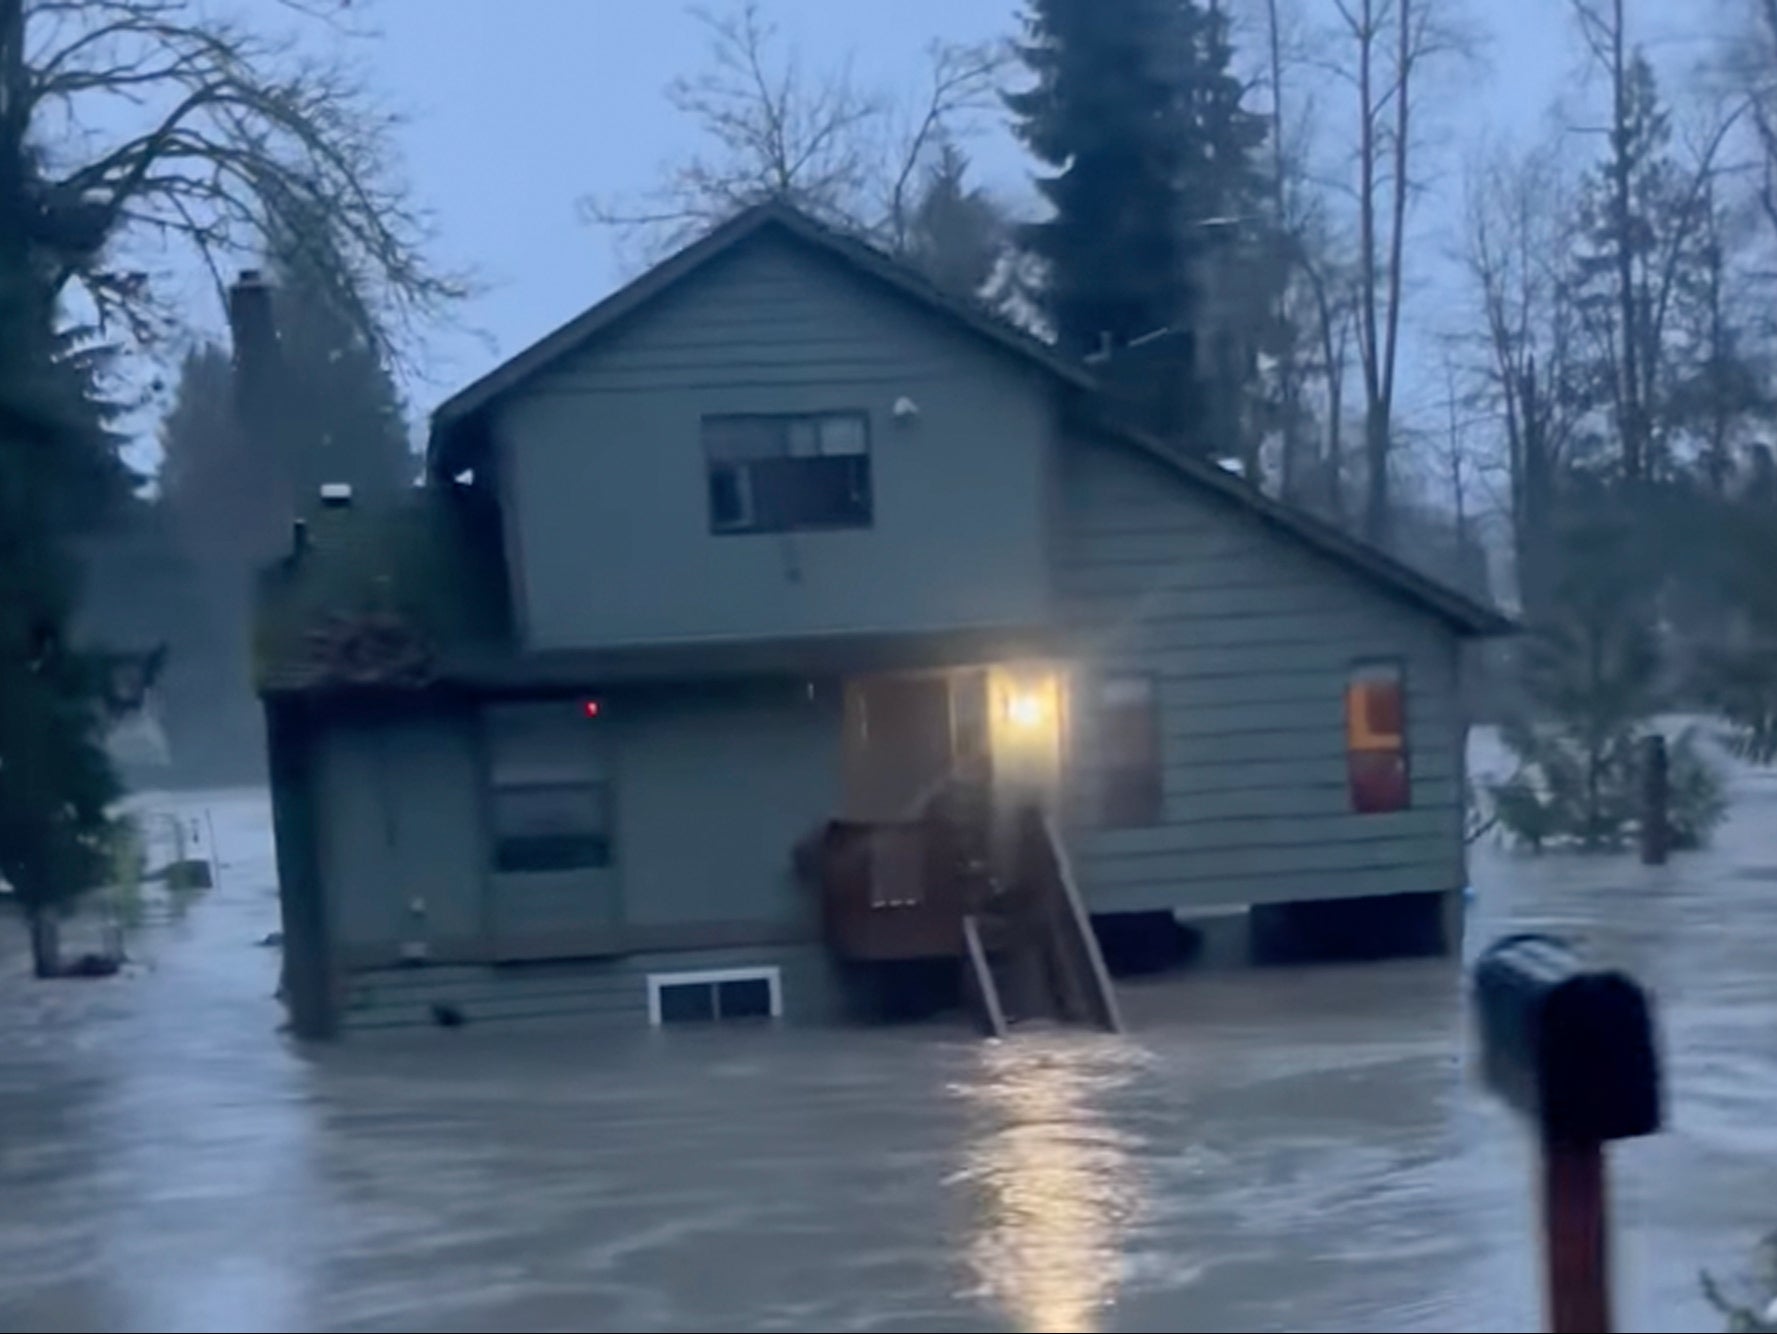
(1572, 1049)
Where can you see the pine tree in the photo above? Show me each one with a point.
(344, 420)
(59, 476)
(228, 501)
(1153, 158)
(1734, 563)
(1644, 227)
(958, 232)
(1593, 678)
(338, 418)
(233, 489)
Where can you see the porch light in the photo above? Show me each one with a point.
(1026, 733)
(1029, 707)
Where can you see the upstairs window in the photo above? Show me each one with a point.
(1376, 738)
(786, 474)
(1132, 787)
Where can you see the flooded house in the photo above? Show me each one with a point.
(781, 617)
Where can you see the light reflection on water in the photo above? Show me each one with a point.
(1055, 1191)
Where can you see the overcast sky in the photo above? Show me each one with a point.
(520, 107)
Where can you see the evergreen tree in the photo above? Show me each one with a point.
(1734, 562)
(228, 503)
(1154, 160)
(1642, 264)
(344, 420)
(59, 477)
(958, 233)
(1593, 678)
(333, 415)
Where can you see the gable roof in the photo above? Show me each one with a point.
(670, 272)
(450, 422)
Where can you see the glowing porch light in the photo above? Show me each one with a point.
(1028, 707)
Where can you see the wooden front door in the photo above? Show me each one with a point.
(897, 745)
(908, 735)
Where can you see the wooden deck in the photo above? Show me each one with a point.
(893, 891)
(930, 889)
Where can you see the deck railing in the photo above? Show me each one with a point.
(895, 889)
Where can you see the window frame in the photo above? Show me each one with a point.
(1149, 773)
(714, 978)
(596, 780)
(1402, 751)
(738, 471)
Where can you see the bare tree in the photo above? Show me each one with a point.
(1751, 65)
(1454, 453)
(215, 136)
(1334, 312)
(961, 82)
(1310, 328)
(773, 129)
(1519, 233)
(1386, 46)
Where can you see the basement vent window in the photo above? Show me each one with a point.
(730, 993)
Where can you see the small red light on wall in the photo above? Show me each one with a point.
(590, 708)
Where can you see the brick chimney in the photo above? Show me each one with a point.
(257, 368)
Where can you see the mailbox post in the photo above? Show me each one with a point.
(1572, 1050)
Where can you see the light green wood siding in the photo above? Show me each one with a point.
(550, 742)
(401, 826)
(710, 788)
(715, 788)
(1250, 639)
(604, 477)
(580, 994)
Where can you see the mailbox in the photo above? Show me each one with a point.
(1571, 1048)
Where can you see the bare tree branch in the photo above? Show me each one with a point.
(247, 141)
(964, 82)
(848, 154)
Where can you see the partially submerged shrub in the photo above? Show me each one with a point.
(1587, 792)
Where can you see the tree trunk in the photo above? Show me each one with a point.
(1289, 391)
(1332, 348)
(1383, 432)
(1594, 747)
(1535, 517)
(46, 943)
(1369, 279)
(1633, 424)
(1378, 519)
(1289, 478)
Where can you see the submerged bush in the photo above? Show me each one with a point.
(1585, 791)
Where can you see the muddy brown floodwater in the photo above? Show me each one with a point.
(1297, 1149)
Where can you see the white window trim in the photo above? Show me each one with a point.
(772, 976)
